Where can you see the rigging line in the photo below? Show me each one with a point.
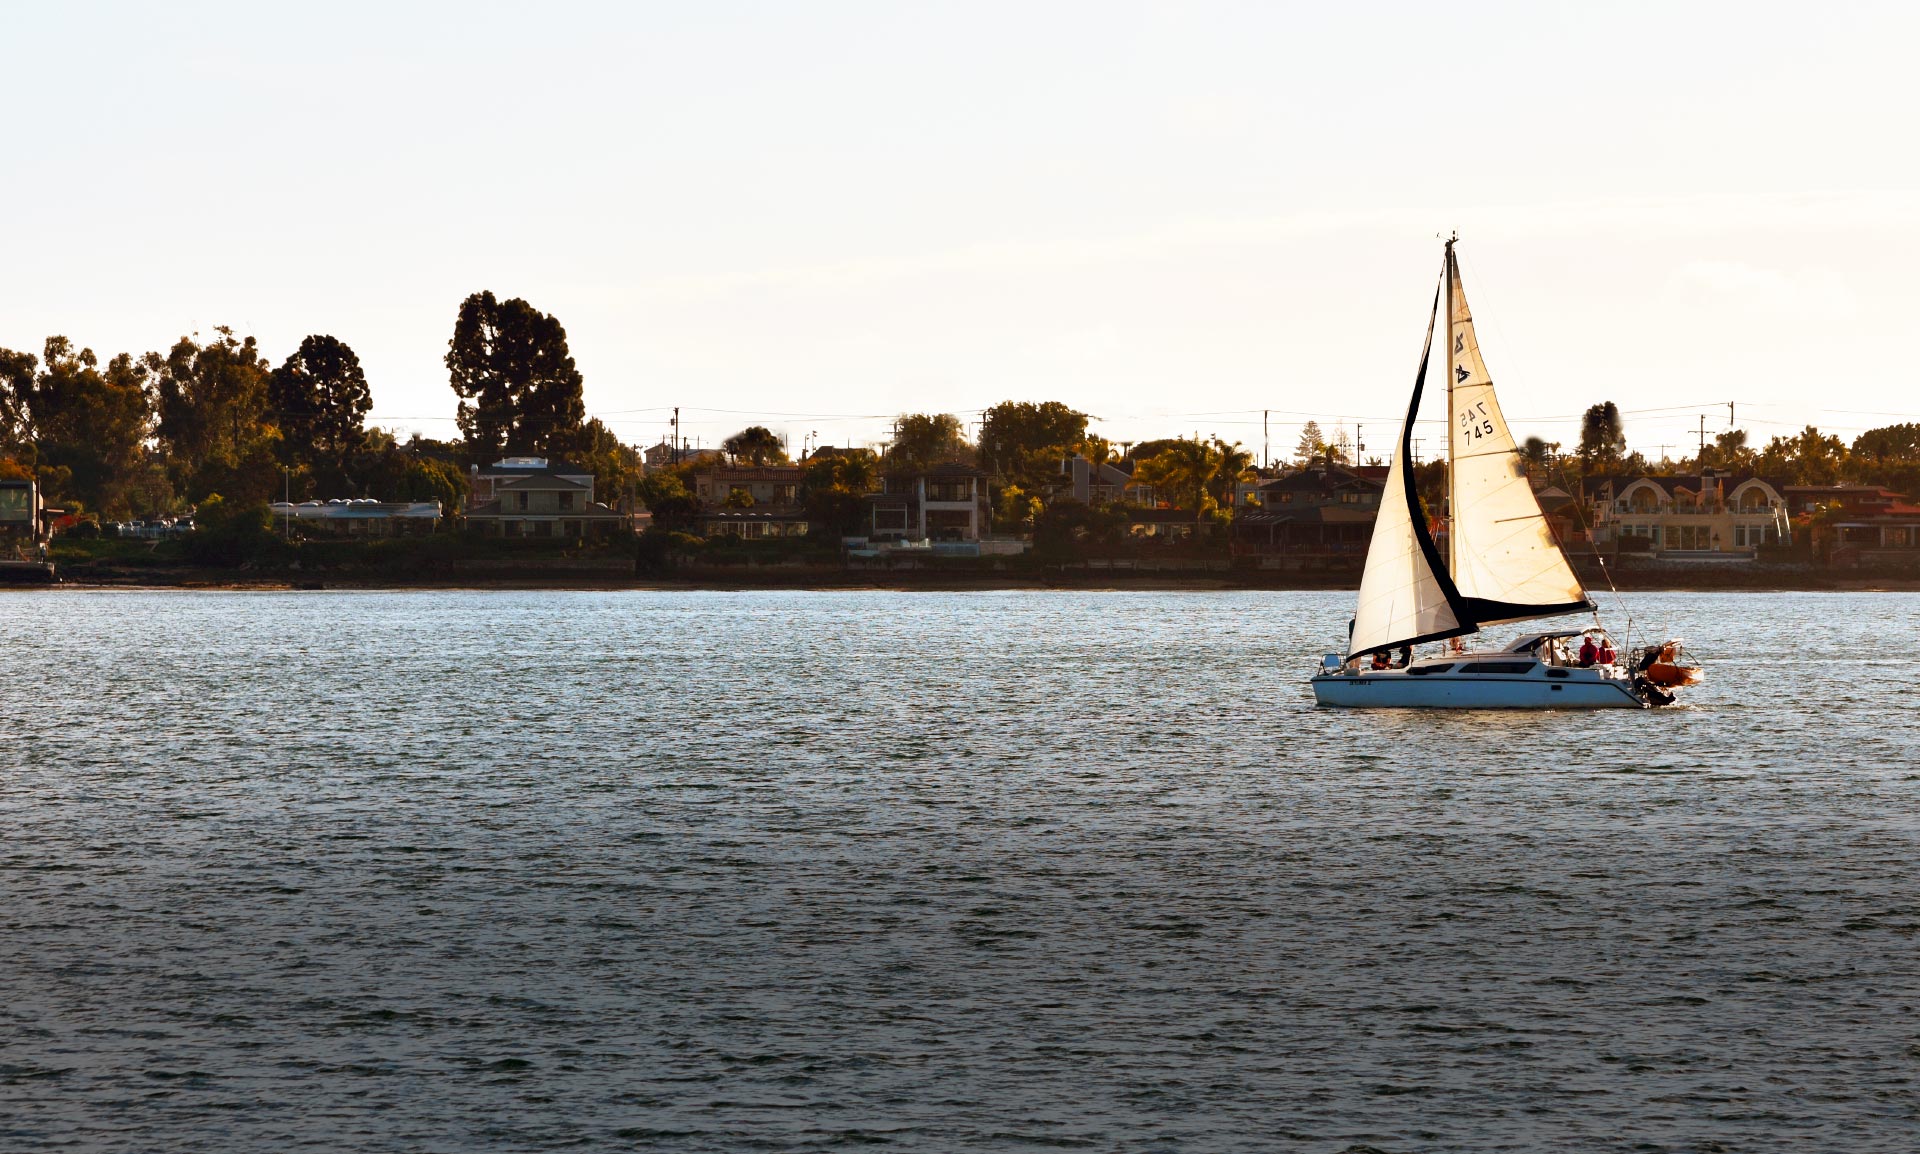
(1580, 511)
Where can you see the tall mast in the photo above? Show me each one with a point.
(1453, 504)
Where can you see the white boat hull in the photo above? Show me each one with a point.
(1400, 689)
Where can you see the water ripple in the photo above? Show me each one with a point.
(799, 871)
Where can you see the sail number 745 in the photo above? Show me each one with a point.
(1474, 422)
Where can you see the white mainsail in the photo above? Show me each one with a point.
(1405, 596)
(1502, 554)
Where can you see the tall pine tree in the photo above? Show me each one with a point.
(519, 390)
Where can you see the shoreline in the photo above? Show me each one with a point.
(904, 582)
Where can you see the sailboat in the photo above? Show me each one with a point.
(1502, 565)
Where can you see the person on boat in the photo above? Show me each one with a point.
(1589, 653)
(1406, 657)
(1605, 655)
(1380, 660)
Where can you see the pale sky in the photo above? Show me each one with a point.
(814, 215)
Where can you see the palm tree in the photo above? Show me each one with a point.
(1197, 471)
(1231, 465)
(755, 444)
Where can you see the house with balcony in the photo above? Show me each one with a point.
(21, 520)
(1711, 517)
(1321, 510)
(537, 497)
(760, 487)
(1860, 524)
(751, 502)
(942, 503)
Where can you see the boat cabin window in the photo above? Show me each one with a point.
(1423, 670)
(1557, 673)
(1498, 667)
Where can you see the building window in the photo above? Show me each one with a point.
(520, 501)
(566, 500)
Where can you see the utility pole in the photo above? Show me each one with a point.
(1729, 414)
(1416, 449)
(676, 434)
(1266, 450)
(1359, 441)
(1703, 438)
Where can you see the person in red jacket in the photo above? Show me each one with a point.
(1605, 655)
(1589, 653)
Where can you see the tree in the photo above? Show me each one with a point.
(1185, 473)
(1024, 439)
(1231, 465)
(616, 466)
(16, 387)
(922, 439)
(1339, 447)
(1602, 436)
(1536, 453)
(89, 427)
(1145, 449)
(420, 470)
(211, 404)
(833, 487)
(320, 401)
(1069, 528)
(1809, 458)
(1728, 451)
(1312, 442)
(519, 390)
(664, 493)
(1898, 444)
(756, 445)
(1888, 456)
(1017, 508)
(1097, 450)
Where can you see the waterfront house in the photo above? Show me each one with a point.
(537, 497)
(748, 486)
(1711, 517)
(942, 503)
(1322, 510)
(754, 524)
(20, 516)
(1860, 524)
(359, 517)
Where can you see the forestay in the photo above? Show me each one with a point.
(1504, 560)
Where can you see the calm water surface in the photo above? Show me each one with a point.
(994, 871)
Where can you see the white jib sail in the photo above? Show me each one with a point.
(1502, 550)
(1402, 599)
